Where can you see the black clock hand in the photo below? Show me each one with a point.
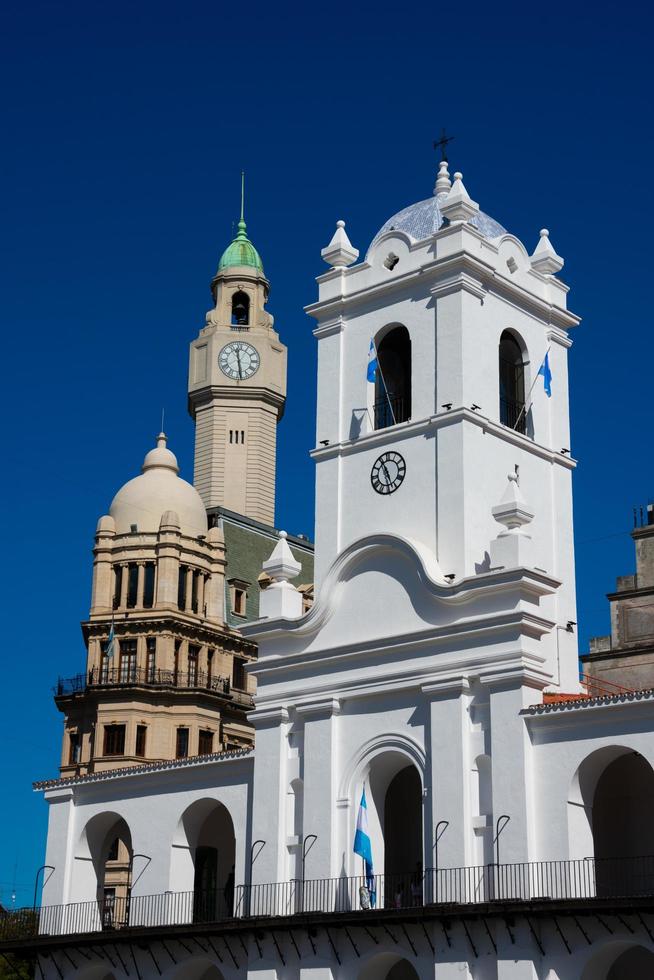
(388, 475)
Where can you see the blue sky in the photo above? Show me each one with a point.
(125, 128)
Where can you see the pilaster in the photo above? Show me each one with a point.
(320, 769)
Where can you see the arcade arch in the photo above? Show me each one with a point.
(106, 862)
(620, 960)
(395, 818)
(388, 966)
(203, 857)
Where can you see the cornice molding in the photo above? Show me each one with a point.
(405, 430)
(145, 769)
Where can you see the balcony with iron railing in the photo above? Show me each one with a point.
(390, 410)
(542, 887)
(128, 675)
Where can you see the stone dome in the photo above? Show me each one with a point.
(424, 219)
(159, 488)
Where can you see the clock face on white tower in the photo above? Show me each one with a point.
(238, 360)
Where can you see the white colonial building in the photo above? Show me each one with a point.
(510, 812)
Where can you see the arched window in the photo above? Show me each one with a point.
(393, 381)
(240, 309)
(512, 384)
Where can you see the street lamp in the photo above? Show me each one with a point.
(44, 867)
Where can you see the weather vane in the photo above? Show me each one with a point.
(442, 143)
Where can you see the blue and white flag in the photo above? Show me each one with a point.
(547, 374)
(111, 643)
(363, 847)
(373, 365)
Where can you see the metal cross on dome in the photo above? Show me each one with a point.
(442, 143)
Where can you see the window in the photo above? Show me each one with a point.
(127, 661)
(113, 850)
(181, 587)
(238, 591)
(239, 679)
(237, 437)
(114, 740)
(73, 748)
(210, 654)
(118, 584)
(240, 309)
(141, 731)
(393, 380)
(205, 743)
(512, 384)
(132, 584)
(178, 644)
(194, 590)
(151, 659)
(148, 586)
(108, 908)
(181, 747)
(193, 653)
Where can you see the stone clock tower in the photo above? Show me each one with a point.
(237, 388)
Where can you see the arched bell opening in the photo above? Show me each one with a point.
(240, 309)
(513, 412)
(393, 379)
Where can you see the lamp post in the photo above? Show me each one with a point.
(44, 867)
(439, 830)
(310, 839)
(130, 883)
(248, 885)
(496, 840)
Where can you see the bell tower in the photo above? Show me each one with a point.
(237, 387)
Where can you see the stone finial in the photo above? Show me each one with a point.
(545, 259)
(458, 205)
(443, 183)
(340, 252)
(281, 599)
(512, 547)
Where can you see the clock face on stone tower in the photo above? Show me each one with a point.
(239, 360)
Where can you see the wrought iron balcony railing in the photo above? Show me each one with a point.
(126, 675)
(582, 882)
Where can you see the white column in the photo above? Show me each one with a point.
(269, 795)
(140, 584)
(124, 582)
(448, 797)
(321, 765)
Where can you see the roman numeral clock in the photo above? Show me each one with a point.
(388, 472)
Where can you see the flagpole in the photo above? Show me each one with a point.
(388, 397)
(527, 403)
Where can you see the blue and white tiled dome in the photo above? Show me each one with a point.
(424, 219)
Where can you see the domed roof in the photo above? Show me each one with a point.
(241, 252)
(424, 219)
(143, 500)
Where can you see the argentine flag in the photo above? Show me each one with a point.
(111, 643)
(547, 374)
(363, 847)
(371, 376)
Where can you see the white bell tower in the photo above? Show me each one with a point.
(461, 318)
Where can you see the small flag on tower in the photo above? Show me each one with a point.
(111, 643)
(371, 375)
(547, 374)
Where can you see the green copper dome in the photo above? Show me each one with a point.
(241, 252)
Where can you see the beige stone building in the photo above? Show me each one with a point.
(166, 675)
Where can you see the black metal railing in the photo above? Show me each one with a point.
(513, 414)
(390, 410)
(582, 881)
(129, 675)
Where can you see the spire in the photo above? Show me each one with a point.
(281, 599)
(241, 251)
